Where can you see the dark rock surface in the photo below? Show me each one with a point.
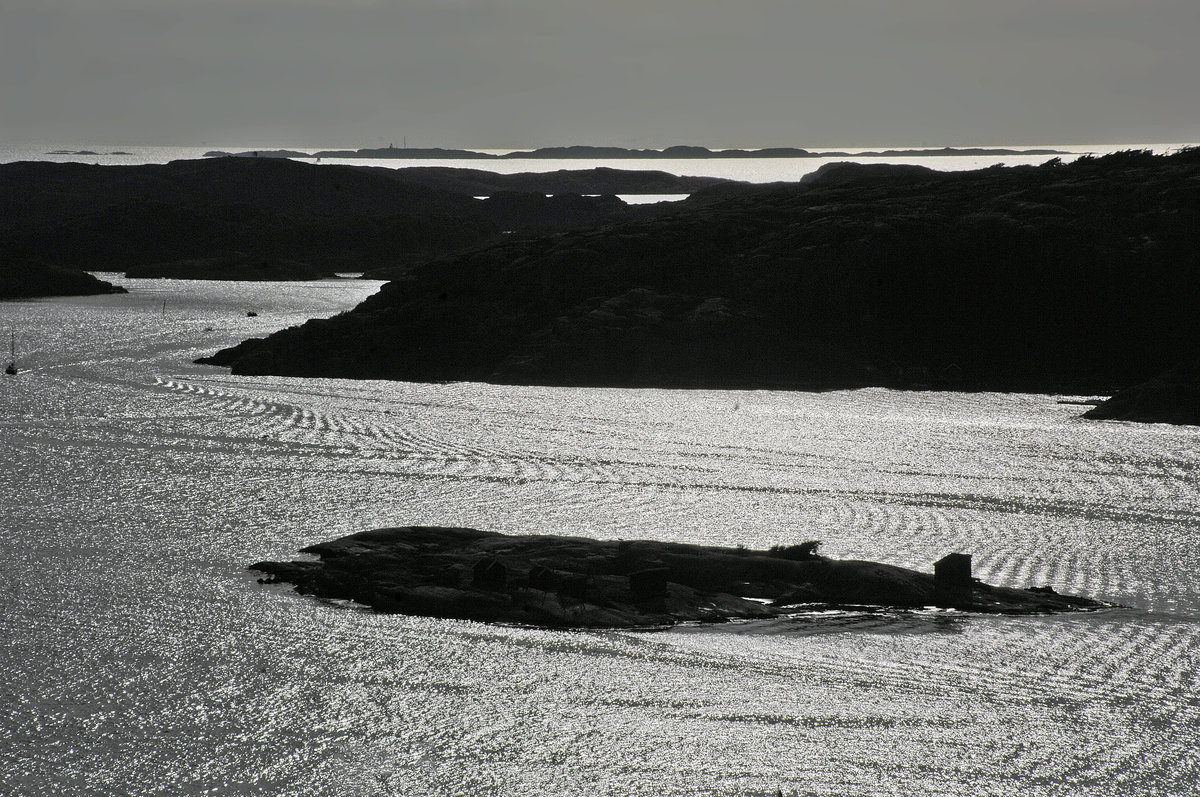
(1055, 279)
(236, 266)
(1170, 397)
(24, 279)
(575, 582)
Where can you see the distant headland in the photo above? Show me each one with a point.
(583, 152)
(25, 278)
(1070, 278)
(224, 218)
(576, 582)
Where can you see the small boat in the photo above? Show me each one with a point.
(11, 370)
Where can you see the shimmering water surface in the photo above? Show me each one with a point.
(141, 657)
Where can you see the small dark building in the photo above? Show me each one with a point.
(490, 574)
(953, 570)
(649, 583)
(541, 578)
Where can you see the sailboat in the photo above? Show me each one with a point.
(11, 370)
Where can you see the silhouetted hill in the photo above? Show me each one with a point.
(338, 218)
(1053, 278)
(31, 278)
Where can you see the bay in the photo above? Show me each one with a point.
(141, 657)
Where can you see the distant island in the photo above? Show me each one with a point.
(577, 582)
(615, 153)
(1076, 278)
(83, 152)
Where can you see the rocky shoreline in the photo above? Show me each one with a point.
(576, 582)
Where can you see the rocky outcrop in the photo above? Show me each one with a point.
(575, 582)
(28, 279)
(1056, 279)
(1170, 397)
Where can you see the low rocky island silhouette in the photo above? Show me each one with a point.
(585, 152)
(577, 582)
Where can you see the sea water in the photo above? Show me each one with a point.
(140, 656)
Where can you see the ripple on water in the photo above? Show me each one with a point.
(140, 657)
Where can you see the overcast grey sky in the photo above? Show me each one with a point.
(647, 73)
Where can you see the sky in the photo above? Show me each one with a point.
(650, 73)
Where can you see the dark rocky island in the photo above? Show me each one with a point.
(26, 279)
(575, 582)
(1061, 278)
